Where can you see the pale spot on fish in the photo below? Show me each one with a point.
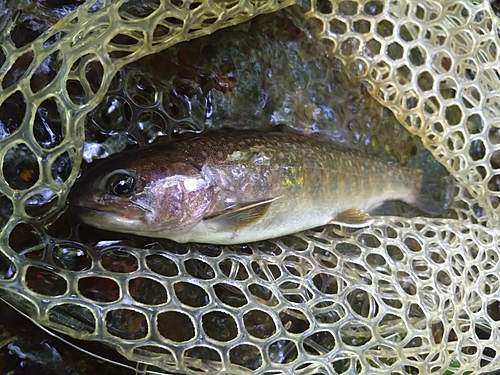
(193, 184)
(169, 182)
(261, 158)
(235, 156)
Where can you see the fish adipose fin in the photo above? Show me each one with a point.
(240, 216)
(354, 218)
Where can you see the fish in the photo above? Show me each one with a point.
(239, 187)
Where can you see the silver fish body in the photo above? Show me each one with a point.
(226, 188)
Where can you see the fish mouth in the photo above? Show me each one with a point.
(128, 219)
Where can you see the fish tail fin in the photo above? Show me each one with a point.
(435, 193)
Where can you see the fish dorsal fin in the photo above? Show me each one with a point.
(353, 217)
(239, 216)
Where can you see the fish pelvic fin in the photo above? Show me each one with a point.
(353, 218)
(435, 193)
(239, 216)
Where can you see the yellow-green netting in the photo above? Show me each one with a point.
(403, 296)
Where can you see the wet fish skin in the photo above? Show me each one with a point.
(227, 188)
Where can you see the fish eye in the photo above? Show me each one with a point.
(120, 182)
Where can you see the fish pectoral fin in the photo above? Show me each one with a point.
(239, 216)
(353, 217)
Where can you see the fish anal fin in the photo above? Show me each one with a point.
(354, 218)
(239, 216)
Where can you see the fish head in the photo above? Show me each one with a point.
(142, 194)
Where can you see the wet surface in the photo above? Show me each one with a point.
(25, 349)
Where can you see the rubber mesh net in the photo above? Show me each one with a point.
(403, 296)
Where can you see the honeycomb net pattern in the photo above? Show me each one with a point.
(434, 65)
(405, 296)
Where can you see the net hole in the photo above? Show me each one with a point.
(61, 167)
(99, 289)
(47, 126)
(204, 357)
(294, 321)
(162, 265)
(147, 291)
(246, 355)
(71, 257)
(41, 203)
(45, 282)
(127, 324)
(219, 326)
(75, 92)
(24, 238)
(191, 294)
(7, 268)
(17, 70)
(94, 72)
(199, 269)
(319, 343)
(20, 167)
(283, 352)
(175, 326)
(12, 112)
(119, 261)
(259, 324)
(45, 72)
(230, 295)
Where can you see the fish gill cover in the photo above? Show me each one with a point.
(403, 296)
